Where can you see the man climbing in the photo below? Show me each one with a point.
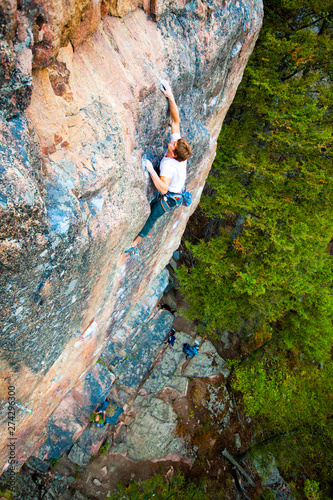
(172, 177)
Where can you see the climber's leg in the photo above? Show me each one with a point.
(156, 212)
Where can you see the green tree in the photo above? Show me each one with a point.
(156, 487)
(268, 274)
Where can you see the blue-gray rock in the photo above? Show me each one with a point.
(92, 438)
(131, 369)
(78, 456)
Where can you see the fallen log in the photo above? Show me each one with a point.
(227, 455)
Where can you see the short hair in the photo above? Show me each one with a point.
(182, 150)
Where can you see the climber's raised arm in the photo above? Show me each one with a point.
(175, 120)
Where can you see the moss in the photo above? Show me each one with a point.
(104, 448)
(6, 494)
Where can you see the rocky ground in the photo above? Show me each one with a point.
(178, 415)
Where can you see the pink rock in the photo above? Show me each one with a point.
(160, 8)
(90, 20)
(120, 8)
(43, 51)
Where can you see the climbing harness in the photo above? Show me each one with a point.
(171, 200)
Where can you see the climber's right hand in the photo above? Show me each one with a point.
(148, 165)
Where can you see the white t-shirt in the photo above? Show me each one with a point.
(174, 170)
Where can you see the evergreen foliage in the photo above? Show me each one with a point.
(156, 487)
(268, 275)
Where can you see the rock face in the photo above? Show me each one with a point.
(80, 104)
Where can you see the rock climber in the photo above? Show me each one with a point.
(166, 307)
(98, 417)
(107, 413)
(191, 350)
(171, 180)
(171, 337)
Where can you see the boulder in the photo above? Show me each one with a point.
(78, 456)
(271, 478)
(207, 363)
(151, 436)
(163, 373)
(92, 439)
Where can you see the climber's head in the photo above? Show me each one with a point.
(96, 419)
(180, 150)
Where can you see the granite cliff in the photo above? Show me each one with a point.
(80, 105)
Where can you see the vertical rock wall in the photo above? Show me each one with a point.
(80, 104)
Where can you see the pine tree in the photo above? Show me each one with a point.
(268, 275)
